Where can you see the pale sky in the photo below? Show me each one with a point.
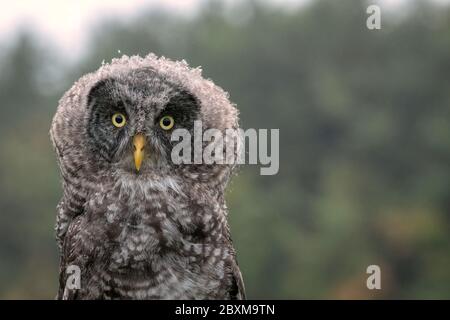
(65, 22)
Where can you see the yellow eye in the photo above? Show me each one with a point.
(119, 120)
(166, 122)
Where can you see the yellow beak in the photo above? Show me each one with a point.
(139, 144)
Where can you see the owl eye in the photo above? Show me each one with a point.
(166, 122)
(118, 120)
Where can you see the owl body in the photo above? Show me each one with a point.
(153, 231)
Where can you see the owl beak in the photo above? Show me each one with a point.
(139, 144)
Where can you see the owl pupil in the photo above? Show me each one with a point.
(166, 122)
(119, 119)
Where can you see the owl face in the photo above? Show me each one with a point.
(117, 122)
(131, 119)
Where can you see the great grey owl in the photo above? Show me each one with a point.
(135, 224)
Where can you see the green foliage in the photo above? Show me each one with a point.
(364, 119)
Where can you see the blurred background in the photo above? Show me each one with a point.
(364, 119)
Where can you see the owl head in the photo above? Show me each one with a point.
(118, 121)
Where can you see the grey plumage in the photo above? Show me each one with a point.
(161, 233)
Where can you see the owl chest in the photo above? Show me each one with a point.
(135, 232)
(137, 236)
(162, 245)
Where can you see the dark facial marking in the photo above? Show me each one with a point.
(184, 108)
(104, 101)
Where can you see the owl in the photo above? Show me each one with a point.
(132, 222)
